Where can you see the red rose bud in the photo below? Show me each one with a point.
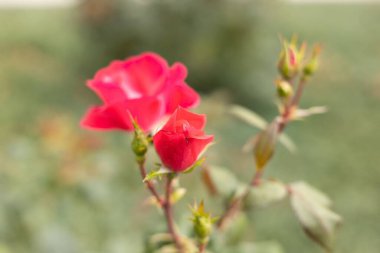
(291, 58)
(144, 87)
(181, 141)
(287, 64)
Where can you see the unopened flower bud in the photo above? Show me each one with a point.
(181, 141)
(202, 222)
(284, 89)
(140, 143)
(313, 63)
(289, 61)
(265, 145)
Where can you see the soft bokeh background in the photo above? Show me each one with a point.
(65, 190)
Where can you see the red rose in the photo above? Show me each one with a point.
(180, 142)
(144, 87)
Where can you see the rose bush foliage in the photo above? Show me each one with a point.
(143, 91)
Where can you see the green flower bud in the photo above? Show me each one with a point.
(202, 228)
(265, 145)
(202, 223)
(140, 143)
(291, 58)
(313, 63)
(284, 89)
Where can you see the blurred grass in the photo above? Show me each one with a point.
(62, 186)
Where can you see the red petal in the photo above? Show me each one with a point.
(138, 76)
(146, 73)
(197, 121)
(174, 151)
(178, 72)
(177, 152)
(178, 93)
(181, 95)
(108, 92)
(146, 111)
(199, 144)
(107, 83)
(104, 118)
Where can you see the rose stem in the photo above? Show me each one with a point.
(150, 185)
(294, 102)
(202, 247)
(230, 212)
(167, 207)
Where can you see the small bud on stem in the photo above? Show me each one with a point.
(284, 89)
(265, 145)
(140, 143)
(313, 63)
(203, 224)
(288, 62)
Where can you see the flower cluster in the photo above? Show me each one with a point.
(147, 90)
(138, 95)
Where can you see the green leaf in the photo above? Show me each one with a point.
(312, 209)
(177, 195)
(266, 193)
(220, 180)
(157, 241)
(167, 249)
(255, 120)
(248, 116)
(189, 247)
(259, 247)
(303, 113)
(157, 174)
(236, 229)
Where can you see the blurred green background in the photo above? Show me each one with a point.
(66, 190)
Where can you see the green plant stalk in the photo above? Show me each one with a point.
(235, 206)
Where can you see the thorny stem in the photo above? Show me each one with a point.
(167, 207)
(165, 204)
(150, 185)
(235, 205)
